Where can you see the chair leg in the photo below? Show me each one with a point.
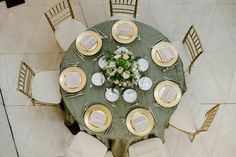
(191, 134)
(168, 125)
(193, 137)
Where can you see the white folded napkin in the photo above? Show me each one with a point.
(165, 54)
(72, 79)
(98, 118)
(124, 29)
(169, 94)
(140, 123)
(88, 41)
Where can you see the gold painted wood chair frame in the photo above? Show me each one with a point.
(24, 84)
(58, 13)
(209, 117)
(124, 6)
(192, 41)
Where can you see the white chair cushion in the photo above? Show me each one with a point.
(182, 118)
(67, 31)
(148, 148)
(84, 145)
(183, 53)
(45, 87)
(120, 16)
(109, 154)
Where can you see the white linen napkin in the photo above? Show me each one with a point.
(98, 118)
(124, 29)
(72, 79)
(140, 123)
(88, 41)
(165, 54)
(169, 94)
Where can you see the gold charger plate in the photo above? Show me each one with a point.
(160, 87)
(62, 79)
(102, 108)
(124, 39)
(157, 59)
(140, 111)
(93, 50)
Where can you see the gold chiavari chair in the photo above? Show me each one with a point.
(209, 117)
(64, 23)
(42, 88)
(128, 7)
(58, 13)
(81, 147)
(24, 79)
(192, 42)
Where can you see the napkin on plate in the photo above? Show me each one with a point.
(169, 94)
(98, 118)
(124, 29)
(88, 41)
(72, 79)
(165, 54)
(140, 123)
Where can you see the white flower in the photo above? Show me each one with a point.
(110, 65)
(126, 56)
(116, 81)
(137, 76)
(117, 56)
(126, 74)
(124, 84)
(120, 70)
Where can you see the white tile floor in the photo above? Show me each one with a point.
(40, 132)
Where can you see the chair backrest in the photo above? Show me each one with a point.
(124, 6)
(193, 43)
(24, 79)
(58, 13)
(209, 117)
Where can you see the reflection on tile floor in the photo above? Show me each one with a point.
(40, 131)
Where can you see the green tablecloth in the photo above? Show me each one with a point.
(118, 139)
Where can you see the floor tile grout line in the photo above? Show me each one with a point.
(226, 25)
(33, 34)
(221, 119)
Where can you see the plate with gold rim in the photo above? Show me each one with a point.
(102, 110)
(160, 89)
(139, 112)
(94, 49)
(124, 39)
(157, 58)
(63, 83)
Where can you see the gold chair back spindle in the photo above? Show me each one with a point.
(193, 43)
(123, 6)
(58, 13)
(24, 79)
(209, 118)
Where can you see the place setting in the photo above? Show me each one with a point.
(124, 31)
(88, 43)
(139, 122)
(167, 94)
(98, 118)
(164, 54)
(72, 79)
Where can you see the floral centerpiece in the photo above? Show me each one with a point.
(121, 68)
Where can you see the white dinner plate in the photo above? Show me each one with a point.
(112, 94)
(130, 95)
(143, 64)
(102, 62)
(145, 83)
(98, 79)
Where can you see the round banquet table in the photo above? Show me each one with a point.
(118, 139)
